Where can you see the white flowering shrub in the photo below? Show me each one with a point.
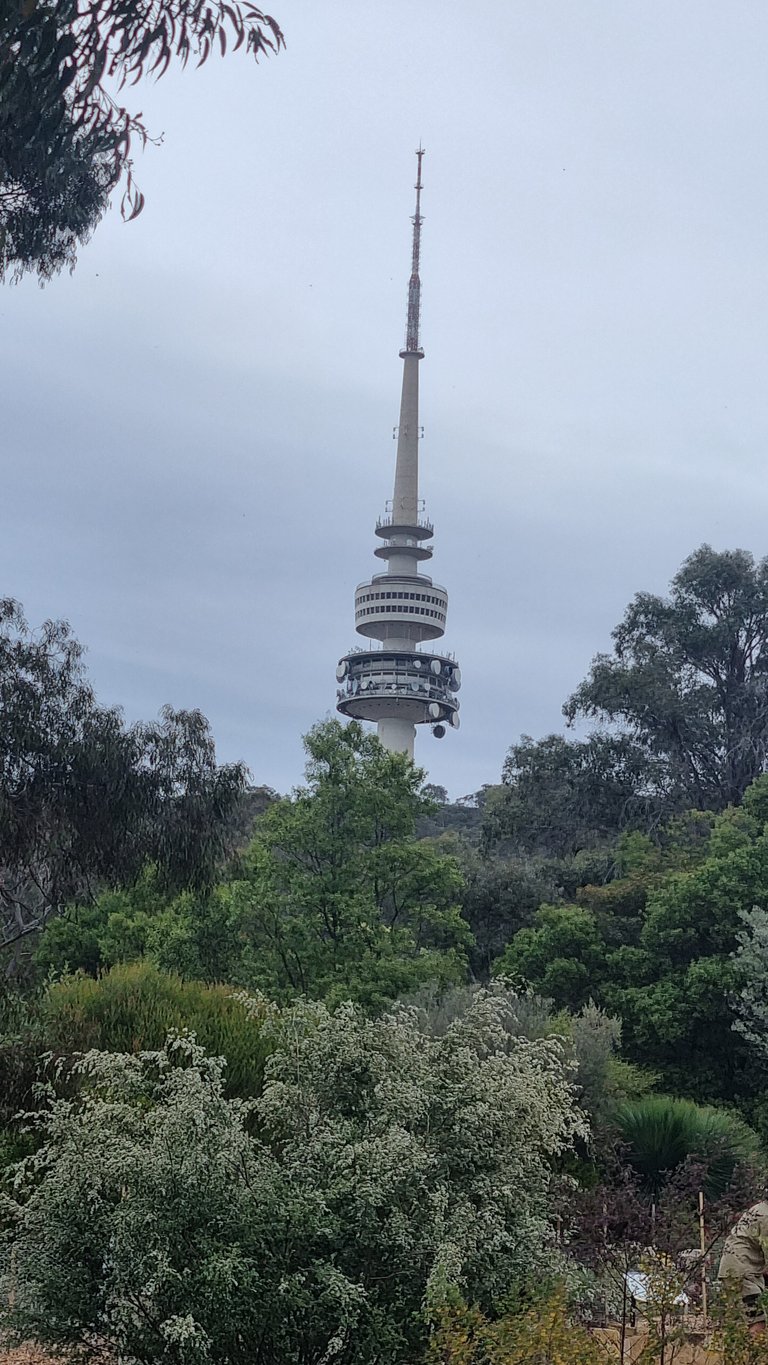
(382, 1168)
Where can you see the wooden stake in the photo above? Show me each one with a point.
(703, 1245)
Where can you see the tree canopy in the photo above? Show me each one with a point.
(66, 140)
(688, 679)
(671, 945)
(86, 801)
(559, 796)
(334, 897)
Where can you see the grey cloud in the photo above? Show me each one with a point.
(196, 427)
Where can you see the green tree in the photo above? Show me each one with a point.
(387, 1168)
(335, 897)
(190, 934)
(675, 993)
(562, 955)
(65, 138)
(86, 802)
(655, 948)
(559, 796)
(501, 896)
(688, 679)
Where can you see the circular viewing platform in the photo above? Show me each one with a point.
(404, 547)
(389, 527)
(413, 686)
(407, 606)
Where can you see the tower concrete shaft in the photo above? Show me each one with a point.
(405, 498)
(395, 684)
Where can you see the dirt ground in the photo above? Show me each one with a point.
(26, 1355)
(689, 1355)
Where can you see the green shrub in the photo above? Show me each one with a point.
(543, 1334)
(132, 1008)
(384, 1169)
(19, 1066)
(661, 1133)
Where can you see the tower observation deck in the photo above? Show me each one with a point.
(395, 682)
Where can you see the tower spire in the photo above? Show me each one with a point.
(405, 498)
(394, 683)
(414, 284)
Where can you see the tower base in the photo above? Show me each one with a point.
(397, 735)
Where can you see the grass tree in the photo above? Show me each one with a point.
(661, 1134)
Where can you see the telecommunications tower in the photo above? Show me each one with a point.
(395, 682)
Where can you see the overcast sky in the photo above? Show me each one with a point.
(197, 425)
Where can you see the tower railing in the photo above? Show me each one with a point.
(390, 519)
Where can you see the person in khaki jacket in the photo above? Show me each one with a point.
(745, 1259)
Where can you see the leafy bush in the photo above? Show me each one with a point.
(544, 1334)
(602, 1078)
(561, 955)
(190, 933)
(133, 1008)
(387, 1168)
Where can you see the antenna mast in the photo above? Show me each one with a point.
(414, 284)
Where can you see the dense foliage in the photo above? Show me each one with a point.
(682, 703)
(468, 1046)
(132, 1008)
(688, 679)
(389, 1166)
(657, 946)
(87, 802)
(333, 898)
(135, 1008)
(561, 795)
(660, 1135)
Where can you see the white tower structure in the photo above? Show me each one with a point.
(396, 683)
